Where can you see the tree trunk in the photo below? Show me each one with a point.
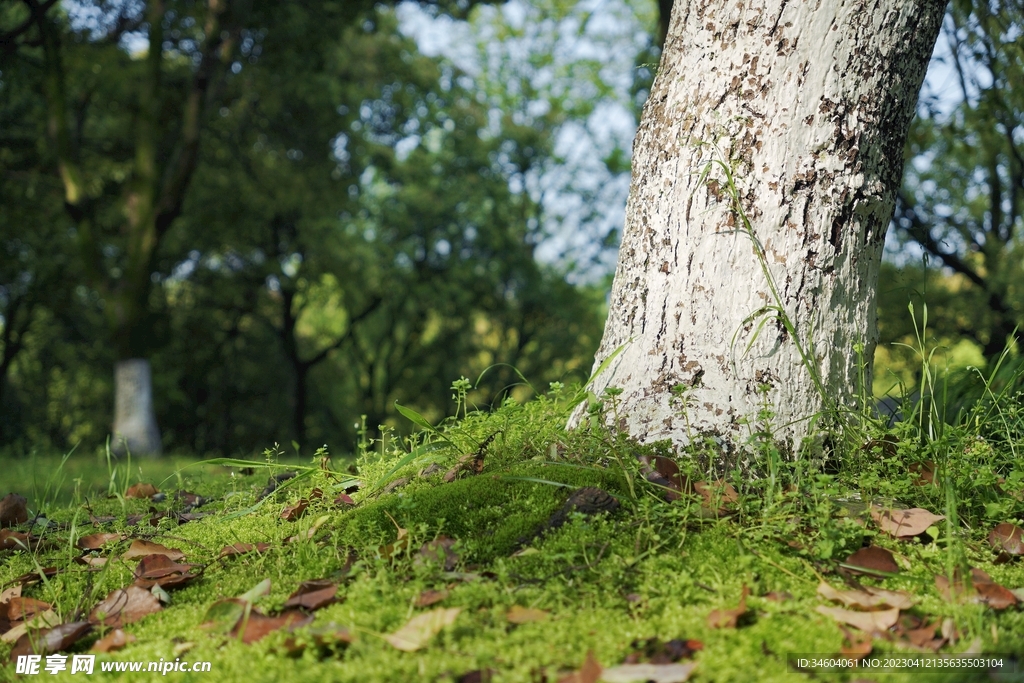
(135, 427)
(805, 106)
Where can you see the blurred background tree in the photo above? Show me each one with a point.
(352, 204)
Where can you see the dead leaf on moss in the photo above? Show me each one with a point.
(160, 570)
(141, 491)
(728, 618)
(257, 625)
(94, 562)
(855, 644)
(6, 595)
(243, 548)
(718, 495)
(14, 540)
(985, 590)
(47, 619)
(430, 597)
(140, 548)
(664, 472)
(113, 641)
(1007, 538)
(222, 615)
(525, 615)
(293, 512)
(439, 550)
(590, 672)
(418, 631)
(904, 523)
(125, 606)
(13, 510)
(873, 559)
(881, 620)
(22, 609)
(52, 640)
(312, 595)
(97, 541)
(654, 651)
(344, 500)
(867, 598)
(401, 543)
(924, 471)
(651, 673)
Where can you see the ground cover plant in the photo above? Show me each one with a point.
(499, 546)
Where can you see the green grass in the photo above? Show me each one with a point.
(653, 569)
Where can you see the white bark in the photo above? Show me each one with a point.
(809, 103)
(134, 419)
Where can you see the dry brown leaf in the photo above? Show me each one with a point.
(258, 625)
(525, 615)
(925, 472)
(590, 672)
(94, 562)
(52, 640)
(141, 491)
(125, 606)
(855, 645)
(97, 541)
(430, 597)
(293, 512)
(312, 595)
(868, 598)
(880, 621)
(664, 472)
(652, 673)
(1007, 538)
(904, 523)
(728, 618)
(344, 500)
(13, 540)
(874, 559)
(995, 596)
(13, 510)
(160, 570)
(401, 543)
(21, 609)
(439, 548)
(418, 631)
(140, 548)
(113, 641)
(47, 619)
(6, 595)
(243, 548)
(718, 495)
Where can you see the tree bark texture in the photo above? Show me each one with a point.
(807, 104)
(135, 427)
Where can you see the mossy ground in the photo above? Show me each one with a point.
(653, 569)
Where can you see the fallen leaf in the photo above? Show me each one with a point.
(344, 500)
(257, 626)
(13, 540)
(418, 631)
(140, 548)
(525, 615)
(47, 619)
(654, 651)
(1007, 538)
(874, 559)
(430, 470)
(125, 606)
(430, 597)
(728, 618)
(652, 673)
(471, 463)
(986, 591)
(293, 512)
(97, 541)
(310, 532)
(258, 591)
(904, 523)
(778, 596)
(141, 491)
(396, 484)
(52, 640)
(8, 593)
(590, 672)
(21, 609)
(995, 596)
(664, 472)
(312, 595)
(718, 495)
(160, 570)
(13, 510)
(243, 548)
(881, 620)
(855, 644)
(867, 598)
(222, 615)
(401, 543)
(438, 548)
(113, 641)
(925, 472)
(30, 578)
